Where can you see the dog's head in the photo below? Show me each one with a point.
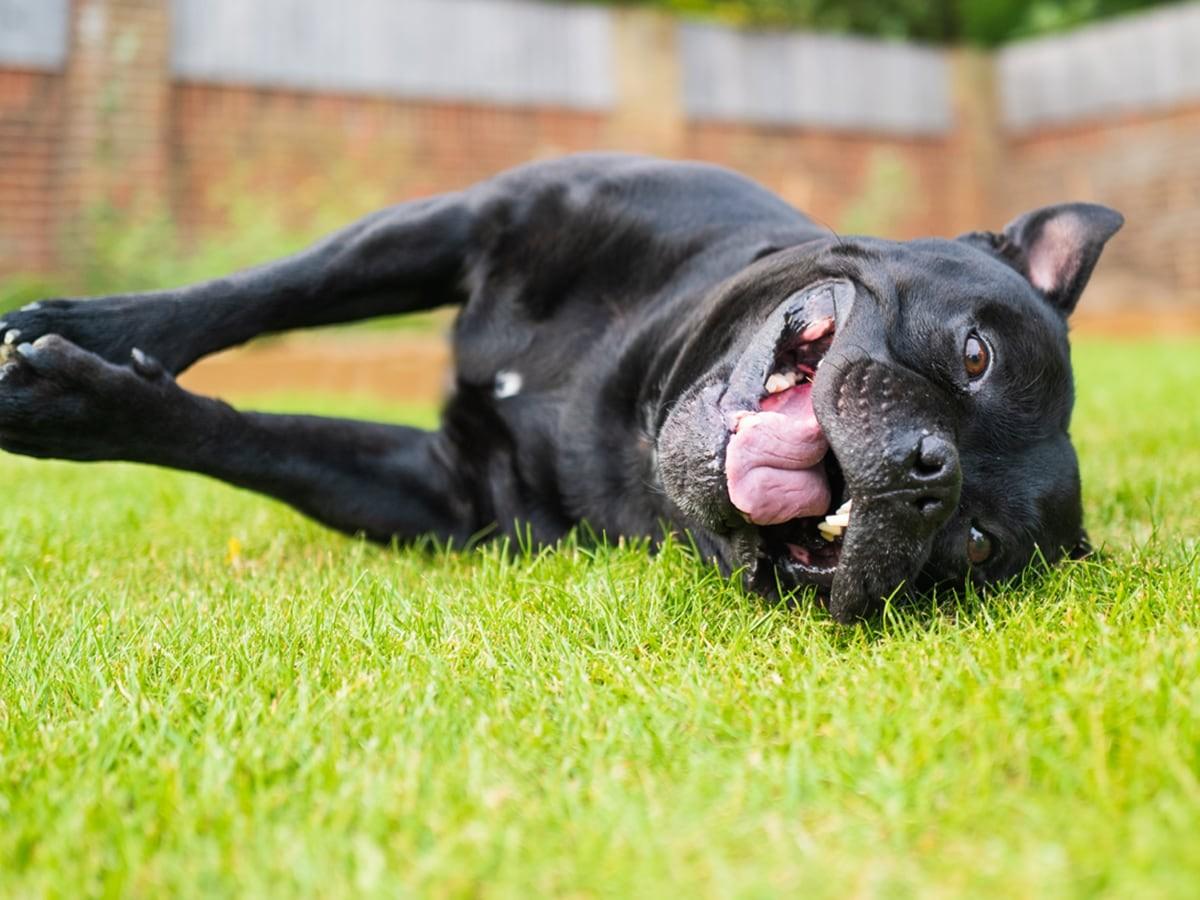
(859, 414)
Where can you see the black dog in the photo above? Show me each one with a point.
(642, 345)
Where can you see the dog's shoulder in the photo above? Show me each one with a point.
(618, 227)
(660, 193)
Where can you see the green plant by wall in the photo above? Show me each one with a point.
(985, 22)
(142, 247)
(885, 197)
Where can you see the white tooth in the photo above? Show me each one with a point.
(779, 382)
(841, 520)
(845, 508)
(829, 532)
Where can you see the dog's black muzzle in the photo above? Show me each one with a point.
(892, 452)
(893, 434)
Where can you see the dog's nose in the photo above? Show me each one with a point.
(934, 471)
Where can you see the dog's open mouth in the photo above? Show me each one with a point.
(781, 473)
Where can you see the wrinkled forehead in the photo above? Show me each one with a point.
(934, 277)
(947, 273)
(944, 288)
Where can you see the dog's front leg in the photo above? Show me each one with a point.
(59, 401)
(404, 259)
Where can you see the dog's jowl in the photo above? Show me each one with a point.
(641, 345)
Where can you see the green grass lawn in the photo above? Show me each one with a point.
(202, 693)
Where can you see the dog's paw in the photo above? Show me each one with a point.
(109, 327)
(34, 320)
(59, 400)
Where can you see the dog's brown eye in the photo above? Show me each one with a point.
(976, 357)
(979, 546)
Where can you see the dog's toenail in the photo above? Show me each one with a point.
(145, 365)
(12, 336)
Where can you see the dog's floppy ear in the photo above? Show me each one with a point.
(1056, 247)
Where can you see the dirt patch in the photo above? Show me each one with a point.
(407, 368)
(1138, 323)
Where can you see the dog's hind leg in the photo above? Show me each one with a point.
(407, 258)
(384, 481)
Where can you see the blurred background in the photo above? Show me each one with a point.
(147, 143)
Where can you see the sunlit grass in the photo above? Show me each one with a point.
(201, 692)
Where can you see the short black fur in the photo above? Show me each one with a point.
(616, 311)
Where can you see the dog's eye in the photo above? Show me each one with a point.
(979, 546)
(976, 356)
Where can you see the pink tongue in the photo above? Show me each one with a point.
(773, 461)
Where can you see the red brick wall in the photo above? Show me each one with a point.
(30, 119)
(1149, 168)
(281, 142)
(827, 174)
(113, 128)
